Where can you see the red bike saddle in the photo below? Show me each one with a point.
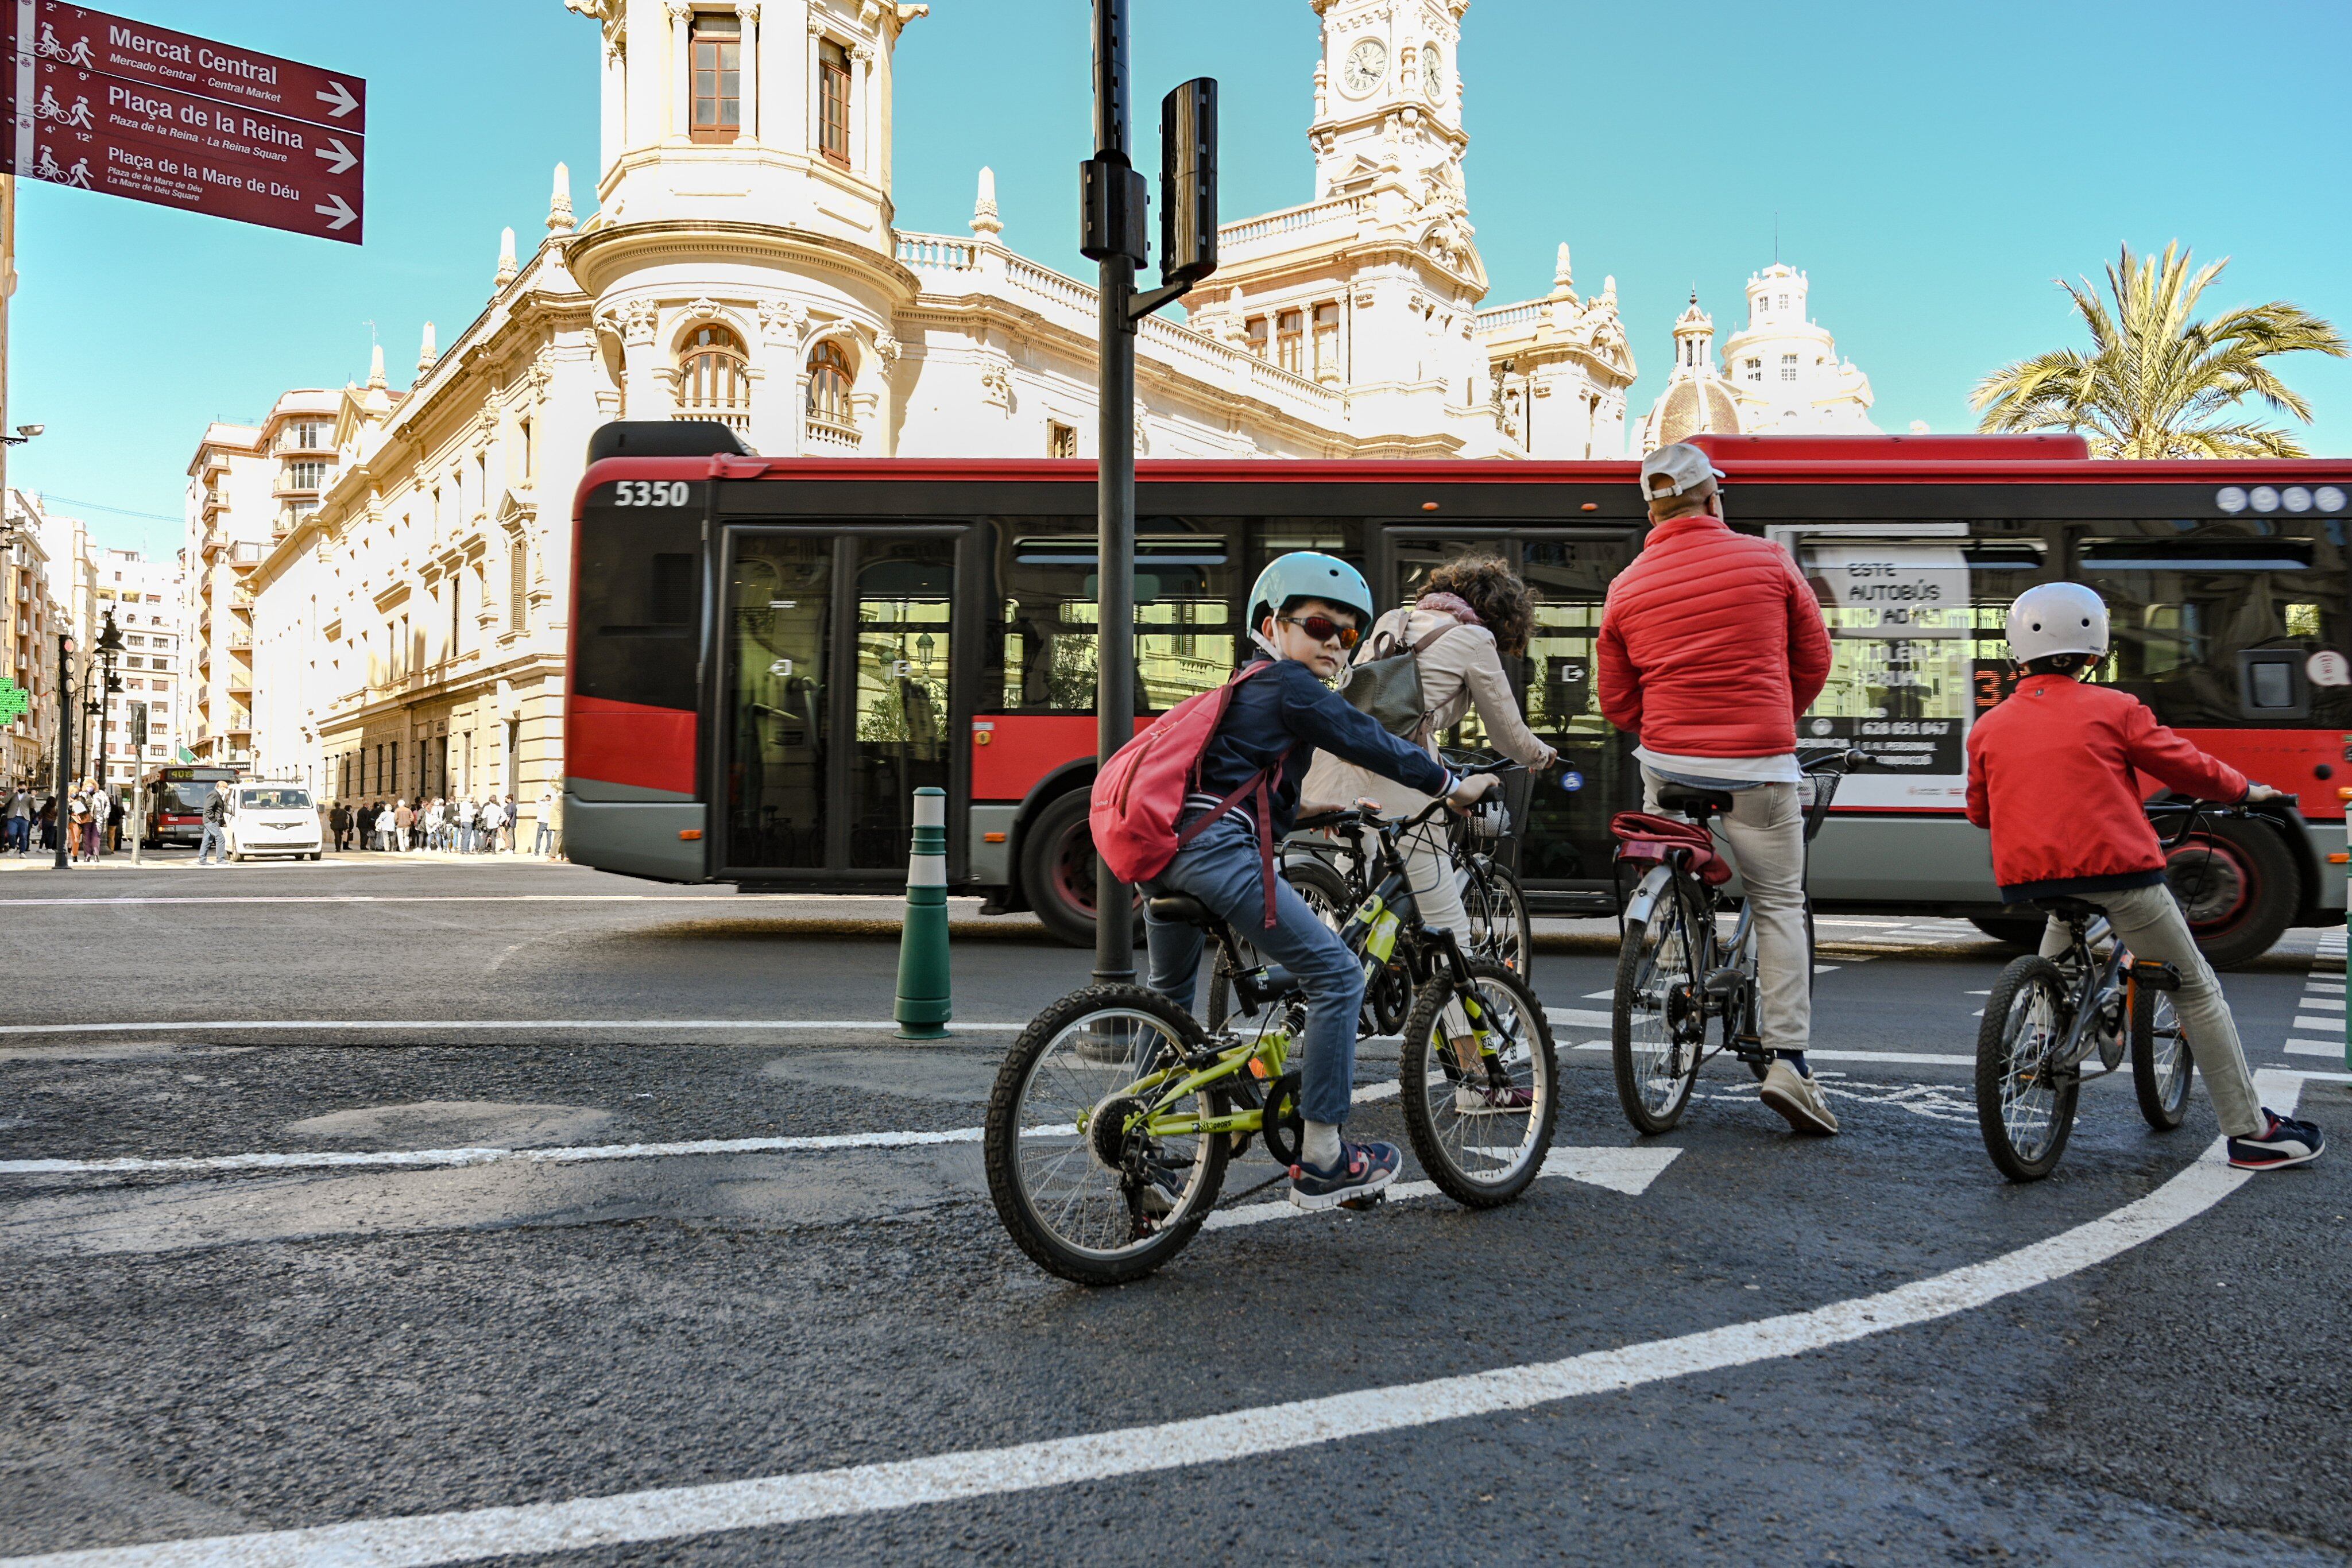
(1647, 838)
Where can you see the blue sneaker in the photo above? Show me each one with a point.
(2282, 1142)
(1362, 1171)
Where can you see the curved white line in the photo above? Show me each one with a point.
(420, 1541)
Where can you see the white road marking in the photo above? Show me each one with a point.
(1577, 1018)
(1609, 996)
(1825, 968)
(2324, 1004)
(420, 1541)
(361, 1159)
(2330, 1048)
(1629, 1171)
(2316, 984)
(2317, 1023)
(1896, 1058)
(467, 1026)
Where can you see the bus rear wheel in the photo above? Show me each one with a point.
(2237, 885)
(1058, 870)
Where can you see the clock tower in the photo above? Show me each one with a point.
(1388, 102)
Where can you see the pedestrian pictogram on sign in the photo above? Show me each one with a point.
(112, 105)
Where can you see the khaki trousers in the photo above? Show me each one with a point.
(1765, 831)
(2147, 920)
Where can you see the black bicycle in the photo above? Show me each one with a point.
(1676, 973)
(2046, 1019)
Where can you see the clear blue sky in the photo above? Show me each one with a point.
(1933, 168)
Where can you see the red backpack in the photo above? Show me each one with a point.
(1139, 794)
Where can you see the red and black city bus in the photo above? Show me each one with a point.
(769, 656)
(175, 803)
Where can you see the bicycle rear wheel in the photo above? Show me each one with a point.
(2161, 1064)
(1500, 927)
(1481, 1129)
(2024, 1108)
(1083, 1190)
(1656, 1031)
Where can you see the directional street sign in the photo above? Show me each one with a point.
(116, 105)
(77, 35)
(154, 144)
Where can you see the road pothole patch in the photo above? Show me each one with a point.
(444, 1124)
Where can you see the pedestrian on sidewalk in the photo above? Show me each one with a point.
(339, 823)
(215, 839)
(78, 824)
(542, 842)
(493, 819)
(437, 824)
(114, 815)
(404, 823)
(46, 816)
(514, 825)
(465, 825)
(19, 820)
(101, 816)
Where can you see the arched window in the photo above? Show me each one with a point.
(828, 390)
(713, 379)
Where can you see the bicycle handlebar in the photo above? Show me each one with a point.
(2191, 810)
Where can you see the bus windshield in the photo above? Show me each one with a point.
(274, 799)
(184, 800)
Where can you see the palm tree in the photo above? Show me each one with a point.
(2156, 382)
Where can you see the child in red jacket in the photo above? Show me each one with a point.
(2051, 775)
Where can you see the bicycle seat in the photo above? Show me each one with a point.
(1181, 909)
(1691, 802)
(2069, 908)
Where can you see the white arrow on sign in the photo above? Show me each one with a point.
(339, 160)
(340, 97)
(341, 211)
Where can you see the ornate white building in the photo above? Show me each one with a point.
(745, 265)
(1780, 374)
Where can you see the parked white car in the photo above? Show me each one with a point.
(265, 819)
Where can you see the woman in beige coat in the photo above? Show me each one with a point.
(1484, 611)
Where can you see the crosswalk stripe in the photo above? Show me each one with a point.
(2328, 1048)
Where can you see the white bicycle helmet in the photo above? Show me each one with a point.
(2057, 618)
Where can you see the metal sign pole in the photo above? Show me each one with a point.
(60, 815)
(1112, 188)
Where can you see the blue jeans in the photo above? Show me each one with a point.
(1221, 869)
(215, 843)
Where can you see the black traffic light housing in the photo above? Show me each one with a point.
(1188, 182)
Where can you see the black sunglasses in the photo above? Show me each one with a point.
(1322, 628)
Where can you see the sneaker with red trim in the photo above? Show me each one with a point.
(1362, 1171)
(2282, 1142)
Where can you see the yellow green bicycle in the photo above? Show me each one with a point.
(1115, 1114)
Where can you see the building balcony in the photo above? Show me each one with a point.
(737, 420)
(826, 435)
(246, 554)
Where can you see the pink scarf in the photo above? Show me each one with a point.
(1452, 605)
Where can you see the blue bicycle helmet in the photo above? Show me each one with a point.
(1308, 574)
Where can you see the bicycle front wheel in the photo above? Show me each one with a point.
(1656, 1029)
(2161, 1064)
(2025, 1107)
(1480, 1115)
(1500, 927)
(1089, 1191)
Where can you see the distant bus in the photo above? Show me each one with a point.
(769, 654)
(175, 803)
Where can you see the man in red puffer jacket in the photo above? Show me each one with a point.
(1711, 645)
(2054, 776)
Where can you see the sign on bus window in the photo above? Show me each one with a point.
(1900, 687)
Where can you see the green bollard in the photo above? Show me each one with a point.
(923, 1003)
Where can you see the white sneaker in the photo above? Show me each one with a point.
(1798, 1098)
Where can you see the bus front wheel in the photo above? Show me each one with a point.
(2237, 886)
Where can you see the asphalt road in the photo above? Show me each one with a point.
(1868, 1349)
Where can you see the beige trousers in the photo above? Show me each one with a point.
(2148, 921)
(1765, 830)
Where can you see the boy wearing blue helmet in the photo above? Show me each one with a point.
(1305, 611)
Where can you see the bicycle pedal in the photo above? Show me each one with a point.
(1361, 1205)
(2155, 976)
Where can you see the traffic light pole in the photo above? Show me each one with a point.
(1115, 202)
(61, 813)
(1112, 184)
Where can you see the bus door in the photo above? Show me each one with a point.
(1565, 851)
(1915, 611)
(835, 697)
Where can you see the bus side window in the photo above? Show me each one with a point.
(2270, 684)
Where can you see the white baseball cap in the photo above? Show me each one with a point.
(1684, 468)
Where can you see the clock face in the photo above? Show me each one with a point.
(1368, 65)
(1432, 73)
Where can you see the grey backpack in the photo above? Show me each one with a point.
(1387, 684)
